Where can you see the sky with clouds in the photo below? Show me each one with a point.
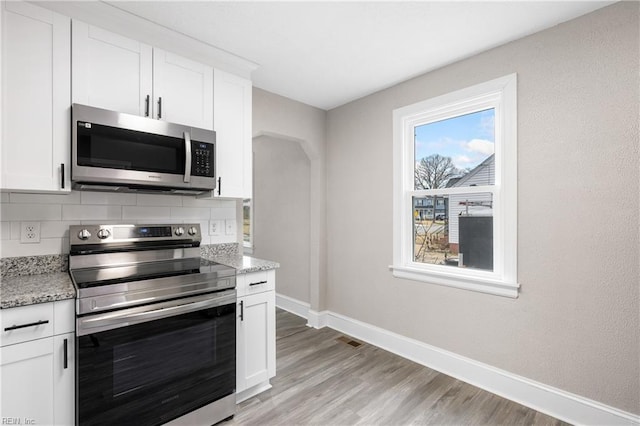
(467, 139)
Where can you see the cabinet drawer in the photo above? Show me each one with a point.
(256, 282)
(26, 323)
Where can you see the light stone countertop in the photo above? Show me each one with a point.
(25, 290)
(31, 289)
(244, 264)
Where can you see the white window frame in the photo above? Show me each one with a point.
(501, 95)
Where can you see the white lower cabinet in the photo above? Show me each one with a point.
(256, 333)
(64, 383)
(38, 375)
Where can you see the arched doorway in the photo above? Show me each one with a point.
(281, 212)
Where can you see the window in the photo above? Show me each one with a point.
(455, 189)
(247, 225)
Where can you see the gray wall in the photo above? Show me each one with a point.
(282, 119)
(576, 323)
(281, 207)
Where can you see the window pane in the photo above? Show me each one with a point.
(455, 152)
(454, 230)
(246, 220)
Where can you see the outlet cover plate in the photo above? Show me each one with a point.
(215, 227)
(29, 232)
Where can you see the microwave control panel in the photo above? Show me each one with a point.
(202, 159)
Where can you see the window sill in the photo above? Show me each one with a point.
(482, 285)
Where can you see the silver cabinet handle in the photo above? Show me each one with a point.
(187, 158)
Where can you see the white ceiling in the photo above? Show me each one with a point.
(328, 53)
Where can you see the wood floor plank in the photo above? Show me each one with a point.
(322, 379)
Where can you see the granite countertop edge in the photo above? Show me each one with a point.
(24, 290)
(27, 290)
(244, 264)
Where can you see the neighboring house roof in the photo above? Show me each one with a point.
(452, 182)
(489, 164)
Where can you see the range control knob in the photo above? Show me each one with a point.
(104, 233)
(193, 230)
(179, 231)
(84, 234)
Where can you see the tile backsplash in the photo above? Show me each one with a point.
(56, 212)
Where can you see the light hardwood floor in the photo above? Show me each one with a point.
(325, 378)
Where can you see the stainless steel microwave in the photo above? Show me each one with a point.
(112, 151)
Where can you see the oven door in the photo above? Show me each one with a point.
(148, 365)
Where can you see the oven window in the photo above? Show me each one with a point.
(115, 148)
(150, 373)
(136, 364)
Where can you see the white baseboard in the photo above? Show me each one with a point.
(555, 402)
(317, 319)
(292, 305)
(301, 309)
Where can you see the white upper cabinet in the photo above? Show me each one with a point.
(111, 71)
(48, 63)
(232, 123)
(117, 73)
(182, 90)
(36, 97)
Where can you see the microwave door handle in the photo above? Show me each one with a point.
(187, 157)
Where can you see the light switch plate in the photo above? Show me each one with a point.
(215, 227)
(231, 225)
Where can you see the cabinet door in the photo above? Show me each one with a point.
(27, 381)
(182, 90)
(232, 123)
(64, 379)
(36, 95)
(111, 71)
(256, 340)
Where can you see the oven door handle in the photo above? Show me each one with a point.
(108, 321)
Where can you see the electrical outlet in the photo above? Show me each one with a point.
(215, 227)
(29, 232)
(231, 226)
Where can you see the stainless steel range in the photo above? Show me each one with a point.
(155, 331)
